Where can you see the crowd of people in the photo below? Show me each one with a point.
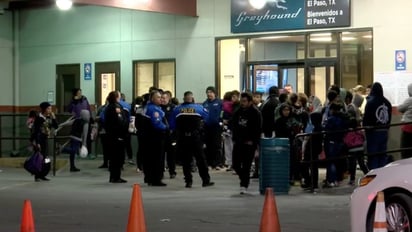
(225, 134)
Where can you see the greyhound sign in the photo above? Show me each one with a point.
(289, 15)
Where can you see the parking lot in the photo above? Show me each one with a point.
(85, 201)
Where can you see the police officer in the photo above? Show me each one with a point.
(116, 124)
(187, 121)
(168, 107)
(152, 165)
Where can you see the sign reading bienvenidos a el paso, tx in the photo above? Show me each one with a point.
(279, 15)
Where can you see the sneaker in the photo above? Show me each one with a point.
(74, 169)
(159, 184)
(188, 185)
(104, 166)
(118, 181)
(207, 184)
(131, 162)
(329, 185)
(243, 190)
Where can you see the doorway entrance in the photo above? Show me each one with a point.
(67, 78)
(107, 80)
(311, 78)
(263, 76)
(320, 75)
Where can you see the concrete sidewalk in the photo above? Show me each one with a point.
(85, 201)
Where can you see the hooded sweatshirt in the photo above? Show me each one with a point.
(406, 106)
(378, 110)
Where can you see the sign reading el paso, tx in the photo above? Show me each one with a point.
(289, 15)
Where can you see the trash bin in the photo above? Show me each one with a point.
(274, 165)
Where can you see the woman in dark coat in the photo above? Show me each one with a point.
(116, 126)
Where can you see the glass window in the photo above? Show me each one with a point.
(322, 45)
(144, 74)
(356, 59)
(160, 74)
(167, 76)
(281, 47)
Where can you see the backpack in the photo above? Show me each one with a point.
(34, 163)
(77, 127)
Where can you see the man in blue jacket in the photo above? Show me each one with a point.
(156, 136)
(187, 120)
(213, 130)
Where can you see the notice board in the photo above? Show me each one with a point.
(395, 85)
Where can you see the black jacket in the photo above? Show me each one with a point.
(116, 121)
(378, 110)
(268, 114)
(246, 125)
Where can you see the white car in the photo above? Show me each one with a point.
(395, 180)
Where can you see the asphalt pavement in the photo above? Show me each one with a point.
(86, 201)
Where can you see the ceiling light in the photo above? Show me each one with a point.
(367, 36)
(321, 34)
(257, 4)
(64, 4)
(348, 38)
(321, 39)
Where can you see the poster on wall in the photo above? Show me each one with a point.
(395, 85)
(87, 71)
(400, 60)
(276, 15)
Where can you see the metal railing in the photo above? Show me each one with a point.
(347, 154)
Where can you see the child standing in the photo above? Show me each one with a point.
(42, 127)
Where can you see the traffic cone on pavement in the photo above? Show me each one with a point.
(379, 224)
(270, 219)
(136, 215)
(27, 222)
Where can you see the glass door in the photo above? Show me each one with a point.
(294, 75)
(320, 75)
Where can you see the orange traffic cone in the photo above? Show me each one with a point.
(27, 222)
(136, 215)
(380, 214)
(270, 219)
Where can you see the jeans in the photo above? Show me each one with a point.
(333, 150)
(376, 141)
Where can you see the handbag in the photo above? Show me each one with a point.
(34, 163)
(354, 139)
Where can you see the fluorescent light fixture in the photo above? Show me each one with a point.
(321, 39)
(64, 4)
(367, 36)
(273, 37)
(257, 4)
(348, 38)
(321, 34)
